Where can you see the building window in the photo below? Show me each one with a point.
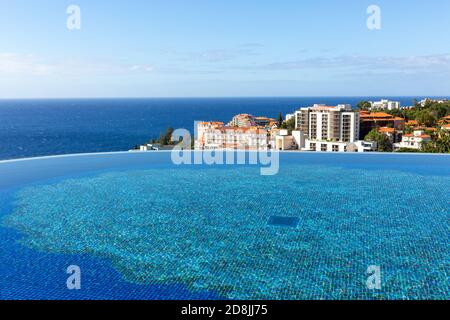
(312, 146)
(335, 148)
(323, 147)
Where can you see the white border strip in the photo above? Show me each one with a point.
(167, 151)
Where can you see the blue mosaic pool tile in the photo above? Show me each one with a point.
(206, 230)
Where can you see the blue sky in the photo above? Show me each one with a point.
(180, 48)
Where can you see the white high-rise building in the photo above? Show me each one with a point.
(328, 128)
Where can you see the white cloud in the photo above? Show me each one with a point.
(408, 64)
(142, 67)
(31, 65)
(220, 55)
(12, 64)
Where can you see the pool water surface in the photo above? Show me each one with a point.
(140, 227)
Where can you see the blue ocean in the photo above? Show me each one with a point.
(30, 128)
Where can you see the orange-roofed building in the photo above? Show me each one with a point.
(391, 133)
(263, 121)
(445, 120)
(411, 123)
(273, 125)
(205, 126)
(242, 120)
(226, 137)
(373, 120)
(386, 130)
(413, 140)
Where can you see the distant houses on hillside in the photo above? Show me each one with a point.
(320, 128)
(317, 128)
(384, 105)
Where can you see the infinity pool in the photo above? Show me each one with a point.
(140, 227)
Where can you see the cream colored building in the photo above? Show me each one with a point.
(202, 128)
(328, 128)
(251, 138)
(284, 141)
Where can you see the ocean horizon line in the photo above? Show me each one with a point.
(225, 97)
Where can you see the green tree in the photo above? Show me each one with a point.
(443, 141)
(165, 138)
(280, 119)
(364, 105)
(439, 110)
(408, 130)
(439, 145)
(289, 125)
(383, 142)
(426, 118)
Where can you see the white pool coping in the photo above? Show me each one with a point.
(168, 151)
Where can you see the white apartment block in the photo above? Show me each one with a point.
(413, 141)
(328, 128)
(385, 105)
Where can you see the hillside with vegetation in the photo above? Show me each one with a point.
(427, 117)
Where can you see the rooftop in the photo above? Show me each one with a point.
(422, 136)
(378, 116)
(218, 123)
(412, 123)
(264, 118)
(244, 129)
(386, 130)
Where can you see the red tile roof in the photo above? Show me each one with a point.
(378, 116)
(412, 123)
(386, 130)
